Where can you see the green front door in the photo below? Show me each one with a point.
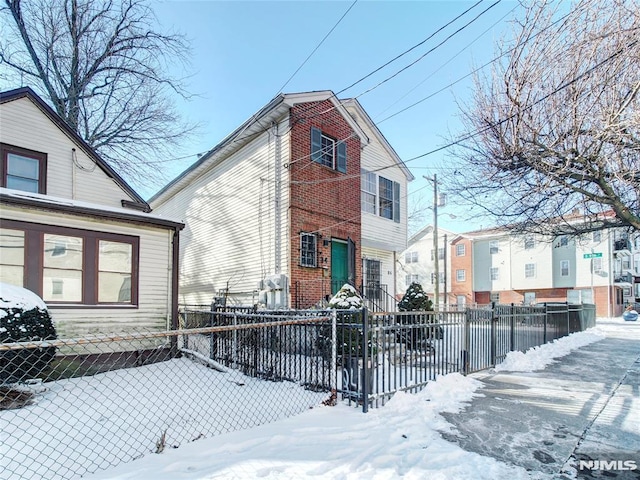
(339, 265)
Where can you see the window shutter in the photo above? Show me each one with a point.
(341, 165)
(396, 202)
(351, 261)
(316, 145)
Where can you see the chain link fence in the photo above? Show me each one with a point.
(102, 400)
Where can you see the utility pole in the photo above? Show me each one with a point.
(446, 250)
(436, 283)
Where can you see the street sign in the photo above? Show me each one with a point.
(592, 255)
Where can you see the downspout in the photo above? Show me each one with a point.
(175, 270)
(277, 201)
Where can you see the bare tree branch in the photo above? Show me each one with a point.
(103, 66)
(556, 125)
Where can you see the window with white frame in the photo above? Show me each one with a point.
(440, 254)
(308, 250)
(380, 196)
(461, 275)
(529, 242)
(369, 191)
(409, 279)
(411, 257)
(494, 246)
(564, 268)
(460, 250)
(597, 236)
(495, 273)
(440, 276)
(530, 270)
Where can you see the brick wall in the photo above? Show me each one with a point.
(465, 263)
(330, 207)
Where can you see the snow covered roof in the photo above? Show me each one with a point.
(76, 207)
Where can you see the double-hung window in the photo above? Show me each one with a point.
(380, 196)
(369, 192)
(529, 270)
(460, 250)
(461, 275)
(70, 266)
(495, 273)
(564, 268)
(328, 151)
(308, 250)
(23, 169)
(411, 257)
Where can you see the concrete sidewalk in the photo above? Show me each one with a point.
(586, 406)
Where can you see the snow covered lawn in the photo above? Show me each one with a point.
(400, 440)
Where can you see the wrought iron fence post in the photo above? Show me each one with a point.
(494, 322)
(546, 321)
(334, 352)
(512, 333)
(234, 346)
(365, 361)
(466, 334)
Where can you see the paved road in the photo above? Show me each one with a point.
(584, 407)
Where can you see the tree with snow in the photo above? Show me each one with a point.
(415, 300)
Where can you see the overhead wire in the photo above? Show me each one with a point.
(318, 46)
(431, 50)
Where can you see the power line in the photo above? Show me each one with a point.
(318, 46)
(410, 49)
(429, 51)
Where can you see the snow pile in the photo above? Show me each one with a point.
(18, 298)
(537, 358)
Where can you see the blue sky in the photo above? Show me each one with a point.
(244, 53)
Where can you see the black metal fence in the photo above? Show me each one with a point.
(383, 353)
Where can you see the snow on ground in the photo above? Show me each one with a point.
(537, 358)
(400, 440)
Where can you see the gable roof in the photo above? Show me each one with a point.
(379, 136)
(277, 108)
(27, 92)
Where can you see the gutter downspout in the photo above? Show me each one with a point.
(175, 270)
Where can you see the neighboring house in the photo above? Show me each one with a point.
(74, 232)
(498, 266)
(275, 215)
(417, 264)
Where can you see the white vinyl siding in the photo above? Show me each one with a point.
(69, 175)
(229, 238)
(378, 232)
(154, 290)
